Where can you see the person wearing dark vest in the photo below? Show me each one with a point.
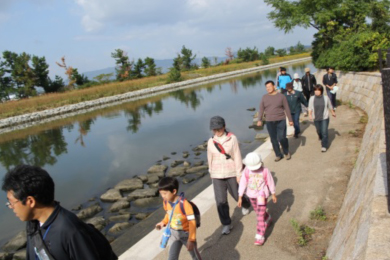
(330, 80)
(275, 108)
(308, 83)
(52, 231)
(295, 101)
(319, 107)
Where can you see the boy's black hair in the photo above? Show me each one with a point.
(27, 180)
(269, 81)
(168, 184)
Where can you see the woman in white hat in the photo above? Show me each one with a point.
(258, 183)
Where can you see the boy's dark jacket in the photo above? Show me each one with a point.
(69, 238)
(295, 100)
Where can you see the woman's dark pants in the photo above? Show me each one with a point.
(322, 131)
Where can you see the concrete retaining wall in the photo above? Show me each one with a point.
(363, 226)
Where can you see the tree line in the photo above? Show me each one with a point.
(21, 74)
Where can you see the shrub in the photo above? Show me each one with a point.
(174, 75)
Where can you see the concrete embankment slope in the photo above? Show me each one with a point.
(27, 120)
(362, 230)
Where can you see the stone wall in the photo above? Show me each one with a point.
(363, 225)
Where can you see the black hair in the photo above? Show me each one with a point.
(328, 68)
(289, 85)
(168, 184)
(283, 69)
(27, 180)
(270, 81)
(319, 87)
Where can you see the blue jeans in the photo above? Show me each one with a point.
(322, 131)
(277, 132)
(295, 117)
(332, 97)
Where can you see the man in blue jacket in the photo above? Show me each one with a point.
(283, 79)
(295, 98)
(52, 231)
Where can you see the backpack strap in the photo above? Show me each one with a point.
(221, 149)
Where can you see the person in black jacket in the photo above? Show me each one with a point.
(330, 80)
(295, 99)
(52, 231)
(308, 83)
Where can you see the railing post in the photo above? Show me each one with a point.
(386, 109)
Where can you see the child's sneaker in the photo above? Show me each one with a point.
(245, 211)
(226, 229)
(259, 240)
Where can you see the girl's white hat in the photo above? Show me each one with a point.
(253, 161)
(296, 76)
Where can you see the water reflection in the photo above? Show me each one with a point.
(41, 149)
(190, 99)
(135, 114)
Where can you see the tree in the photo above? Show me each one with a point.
(336, 22)
(229, 53)
(264, 59)
(299, 48)
(248, 54)
(138, 69)
(291, 50)
(123, 65)
(281, 52)
(103, 78)
(269, 51)
(177, 62)
(68, 73)
(150, 67)
(54, 85)
(186, 58)
(6, 85)
(41, 72)
(79, 79)
(174, 75)
(205, 62)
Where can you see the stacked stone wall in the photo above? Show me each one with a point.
(363, 225)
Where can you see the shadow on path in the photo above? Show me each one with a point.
(224, 245)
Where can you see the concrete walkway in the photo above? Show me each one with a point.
(308, 180)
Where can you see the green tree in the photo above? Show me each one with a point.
(80, 79)
(336, 22)
(41, 72)
(6, 86)
(54, 85)
(248, 54)
(299, 48)
(150, 67)
(205, 62)
(123, 65)
(174, 75)
(177, 62)
(281, 52)
(264, 59)
(292, 50)
(187, 58)
(269, 51)
(138, 69)
(103, 78)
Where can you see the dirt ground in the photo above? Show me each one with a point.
(309, 180)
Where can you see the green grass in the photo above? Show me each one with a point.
(318, 214)
(303, 232)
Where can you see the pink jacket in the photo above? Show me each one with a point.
(219, 166)
(256, 182)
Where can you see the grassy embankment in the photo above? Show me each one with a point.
(54, 100)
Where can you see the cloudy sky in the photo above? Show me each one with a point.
(87, 31)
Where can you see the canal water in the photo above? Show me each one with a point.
(90, 153)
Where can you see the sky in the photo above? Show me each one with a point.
(86, 32)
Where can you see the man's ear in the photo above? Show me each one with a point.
(174, 191)
(31, 202)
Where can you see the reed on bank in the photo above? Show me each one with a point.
(54, 100)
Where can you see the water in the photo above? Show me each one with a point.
(90, 153)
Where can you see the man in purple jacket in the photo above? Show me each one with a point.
(275, 108)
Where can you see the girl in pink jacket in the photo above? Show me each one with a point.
(259, 184)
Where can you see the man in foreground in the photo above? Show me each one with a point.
(52, 231)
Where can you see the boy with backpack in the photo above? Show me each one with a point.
(180, 219)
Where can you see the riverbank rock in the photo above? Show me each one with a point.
(143, 177)
(199, 163)
(188, 179)
(20, 255)
(77, 208)
(129, 185)
(17, 242)
(147, 202)
(198, 169)
(201, 147)
(197, 153)
(166, 158)
(251, 109)
(152, 178)
(176, 163)
(89, 212)
(261, 136)
(5, 256)
(120, 204)
(201, 174)
(178, 171)
(186, 164)
(157, 168)
(185, 154)
(141, 216)
(98, 222)
(142, 193)
(111, 195)
(118, 227)
(120, 218)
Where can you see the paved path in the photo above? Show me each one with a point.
(309, 179)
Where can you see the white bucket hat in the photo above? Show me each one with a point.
(296, 76)
(253, 161)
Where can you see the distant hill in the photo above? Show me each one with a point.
(163, 64)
